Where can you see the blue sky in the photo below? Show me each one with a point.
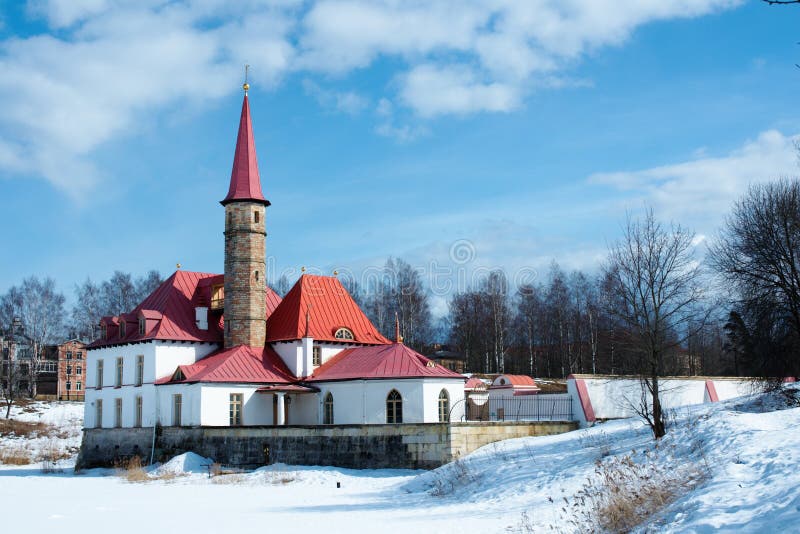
(526, 129)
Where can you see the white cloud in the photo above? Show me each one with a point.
(342, 101)
(104, 63)
(701, 191)
(435, 91)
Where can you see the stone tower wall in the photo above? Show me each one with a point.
(245, 274)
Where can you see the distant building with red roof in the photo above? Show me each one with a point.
(209, 349)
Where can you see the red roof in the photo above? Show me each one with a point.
(475, 383)
(169, 312)
(515, 381)
(382, 361)
(329, 306)
(240, 364)
(245, 181)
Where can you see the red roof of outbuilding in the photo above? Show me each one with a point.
(382, 361)
(240, 364)
(475, 383)
(171, 306)
(515, 381)
(245, 180)
(329, 307)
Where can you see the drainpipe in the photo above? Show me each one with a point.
(364, 402)
(155, 426)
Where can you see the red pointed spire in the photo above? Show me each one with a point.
(245, 182)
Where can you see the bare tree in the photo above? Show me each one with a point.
(758, 255)
(657, 284)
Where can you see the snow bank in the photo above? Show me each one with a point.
(184, 464)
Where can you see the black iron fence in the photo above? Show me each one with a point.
(543, 407)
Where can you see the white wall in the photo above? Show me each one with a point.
(613, 398)
(299, 361)
(161, 358)
(215, 408)
(364, 401)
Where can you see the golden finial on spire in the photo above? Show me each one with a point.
(178, 266)
(246, 86)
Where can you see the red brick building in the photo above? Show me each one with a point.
(71, 370)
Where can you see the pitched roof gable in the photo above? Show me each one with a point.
(240, 364)
(383, 361)
(329, 307)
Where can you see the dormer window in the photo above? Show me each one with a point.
(121, 328)
(217, 297)
(178, 376)
(142, 326)
(344, 333)
(103, 331)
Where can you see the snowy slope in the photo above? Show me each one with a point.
(61, 431)
(738, 459)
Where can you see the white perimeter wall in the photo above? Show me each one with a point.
(161, 358)
(614, 398)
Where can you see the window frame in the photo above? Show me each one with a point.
(316, 356)
(118, 412)
(443, 405)
(177, 409)
(327, 409)
(99, 378)
(137, 411)
(346, 334)
(236, 409)
(139, 378)
(394, 408)
(98, 413)
(119, 370)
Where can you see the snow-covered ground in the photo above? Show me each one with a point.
(59, 436)
(734, 466)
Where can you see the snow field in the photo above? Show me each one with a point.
(741, 456)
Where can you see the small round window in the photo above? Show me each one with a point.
(502, 381)
(344, 333)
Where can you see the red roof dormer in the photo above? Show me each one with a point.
(245, 180)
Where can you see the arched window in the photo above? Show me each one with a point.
(344, 333)
(327, 412)
(394, 407)
(444, 406)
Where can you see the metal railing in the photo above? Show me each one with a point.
(543, 407)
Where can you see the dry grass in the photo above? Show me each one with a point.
(132, 470)
(26, 429)
(17, 455)
(625, 493)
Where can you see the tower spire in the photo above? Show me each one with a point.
(245, 179)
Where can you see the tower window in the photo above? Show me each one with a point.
(316, 356)
(256, 276)
(256, 216)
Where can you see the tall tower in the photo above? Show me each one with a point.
(245, 248)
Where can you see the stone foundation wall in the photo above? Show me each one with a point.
(410, 446)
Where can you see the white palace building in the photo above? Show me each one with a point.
(214, 350)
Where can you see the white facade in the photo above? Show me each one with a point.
(160, 359)
(364, 401)
(208, 404)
